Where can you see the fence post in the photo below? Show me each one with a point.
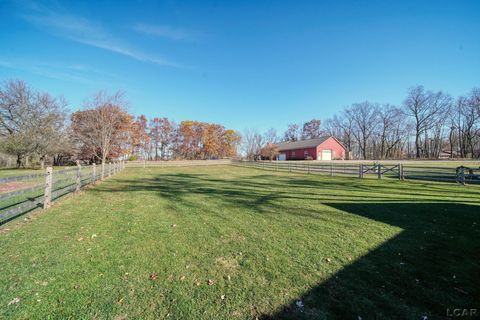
(400, 171)
(462, 175)
(94, 172)
(103, 171)
(79, 172)
(144, 164)
(331, 169)
(360, 171)
(379, 171)
(308, 167)
(47, 197)
(109, 169)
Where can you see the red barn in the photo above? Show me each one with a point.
(323, 148)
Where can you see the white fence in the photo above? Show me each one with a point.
(23, 193)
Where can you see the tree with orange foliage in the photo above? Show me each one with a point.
(201, 140)
(212, 140)
(230, 141)
(269, 151)
(139, 136)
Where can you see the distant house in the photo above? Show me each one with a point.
(323, 148)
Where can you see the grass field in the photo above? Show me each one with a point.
(236, 243)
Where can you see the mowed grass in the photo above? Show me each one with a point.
(236, 243)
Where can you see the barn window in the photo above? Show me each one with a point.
(293, 153)
(305, 153)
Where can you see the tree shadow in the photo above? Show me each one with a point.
(430, 267)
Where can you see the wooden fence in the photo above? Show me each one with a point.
(401, 171)
(24, 193)
(176, 163)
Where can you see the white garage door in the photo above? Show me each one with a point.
(326, 154)
(282, 157)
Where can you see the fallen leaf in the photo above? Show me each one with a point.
(80, 239)
(173, 225)
(77, 286)
(328, 260)
(460, 290)
(210, 282)
(94, 236)
(182, 278)
(16, 300)
(222, 297)
(153, 276)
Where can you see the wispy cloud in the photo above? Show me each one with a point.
(71, 73)
(84, 31)
(5, 64)
(167, 32)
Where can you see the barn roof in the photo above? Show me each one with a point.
(301, 144)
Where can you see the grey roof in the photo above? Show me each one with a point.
(310, 143)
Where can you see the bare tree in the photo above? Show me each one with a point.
(341, 126)
(311, 129)
(365, 119)
(30, 122)
(271, 136)
(464, 125)
(471, 114)
(50, 134)
(390, 130)
(252, 143)
(292, 133)
(426, 109)
(102, 125)
(161, 134)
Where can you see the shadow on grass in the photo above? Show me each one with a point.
(431, 266)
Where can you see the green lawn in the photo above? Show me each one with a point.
(236, 243)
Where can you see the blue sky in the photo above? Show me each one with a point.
(241, 63)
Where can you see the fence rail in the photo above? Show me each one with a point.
(31, 191)
(176, 163)
(401, 171)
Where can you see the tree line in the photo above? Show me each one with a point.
(427, 124)
(34, 124)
